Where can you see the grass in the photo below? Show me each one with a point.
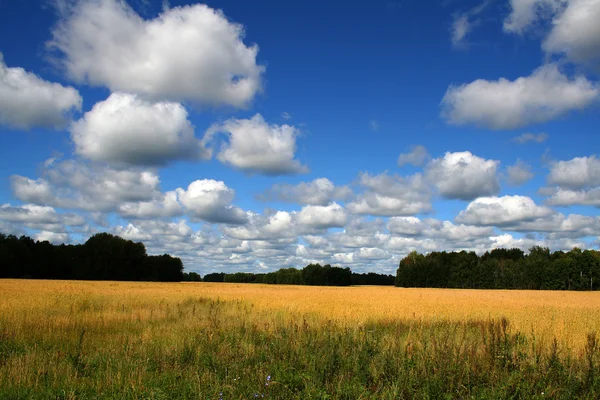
(117, 340)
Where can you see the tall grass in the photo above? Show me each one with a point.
(92, 342)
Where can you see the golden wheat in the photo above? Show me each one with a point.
(566, 316)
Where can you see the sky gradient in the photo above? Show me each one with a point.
(251, 136)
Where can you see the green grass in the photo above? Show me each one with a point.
(208, 349)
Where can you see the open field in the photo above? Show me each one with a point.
(67, 339)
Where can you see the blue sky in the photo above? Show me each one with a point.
(250, 136)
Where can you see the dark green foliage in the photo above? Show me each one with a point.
(372, 278)
(191, 277)
(239, 277)
(502, 269)
(313, 274)
(102, 257)
(316, 275)
(214, 277)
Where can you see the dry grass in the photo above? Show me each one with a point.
(128, 340)
(566, 316)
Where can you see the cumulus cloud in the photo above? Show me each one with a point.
(329, 216)
(52, 237)
(577, 173)
(576, 32)
(126, 129)
(132, 193)
(577, 182)
(524, 13)
(433, 228)
(463, 176)
(503, 104)
(210, 201)
(387, 195)
(256, 146)
(172, 234)
(27, 101)
(561, 226)
(279, 225)
(320, 191)
(164, 206)
(39, 217)
(519, 173)
(574, 29)
(530, 137)
(406, 226)
(502, 211)
(566, 197)
(417, 157)
(456, 233)
(190, 53)
(72, 184)
(525, 243)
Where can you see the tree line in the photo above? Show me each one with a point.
(102, 257)
(312, 274)
(502, 269)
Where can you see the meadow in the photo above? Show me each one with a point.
(130, 340)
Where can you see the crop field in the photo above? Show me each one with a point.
(125, 340)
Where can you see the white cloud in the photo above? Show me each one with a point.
(210, 201)
(191, 53)
(566, 197)
(433, 228)
(280, 225)
(574, 29)
(561, 226)
(27, 101)
(530, 137)
(417, 157)
(456, 233)
(74, 185)
(126, 129)
(463, 175)
(508, 241)
(502, 211)
(577, 173)
(256, 146)
(39, 217)
(132, 232)
(320, 191)
(165, 206)
(406, 226)
(577, 180)
(524, 13)
(503, 104)
(463, 24)
(576, 32)
(163, 236)
(372, 253)
(519, 173)
(387, 195)
(460, 27)
(329, 216)
(52, 237)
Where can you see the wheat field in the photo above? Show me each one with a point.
(567, 316)
(85, 339)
